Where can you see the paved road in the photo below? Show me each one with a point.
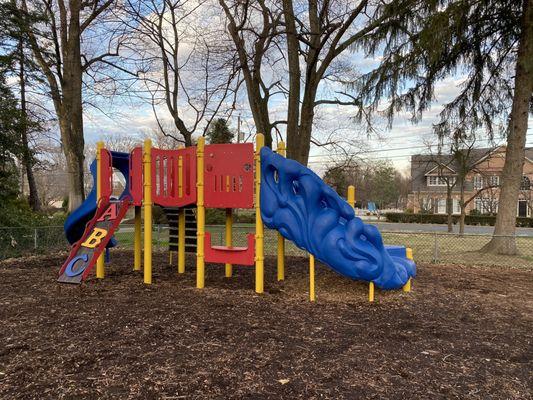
(396, 226)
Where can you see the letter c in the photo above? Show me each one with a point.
(69, 270)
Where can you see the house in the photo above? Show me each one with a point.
(432, 176)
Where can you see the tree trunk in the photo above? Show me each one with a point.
(449, 208)
(463, 208)
(299, 142)
(71, 117)
(503, 241)
(27, 157)
(462, 221)
(65, 84)
(293, 106)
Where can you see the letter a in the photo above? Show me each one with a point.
(111, 213)
(95, 238)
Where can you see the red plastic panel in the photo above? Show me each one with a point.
(166, 172)
(232, 255)
(229, 175)
(106, 174)
(101, 220)
(136, 176)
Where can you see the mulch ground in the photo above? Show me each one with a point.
(462, 333)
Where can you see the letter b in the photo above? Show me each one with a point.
(97, 235)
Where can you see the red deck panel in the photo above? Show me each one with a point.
(232, 255)
(106, 173)
(229, 175)
(166, 175)
(136, 176)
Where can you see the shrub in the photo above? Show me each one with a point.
(483, 220)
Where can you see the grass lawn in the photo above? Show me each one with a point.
(451, 248)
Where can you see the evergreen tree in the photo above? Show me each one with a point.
(490, 42)
(219, 132)
(16, 63)
(10, 146)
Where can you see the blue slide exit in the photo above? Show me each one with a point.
(297, 203)
(76, 221)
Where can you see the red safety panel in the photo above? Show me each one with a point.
(229, 175)
(136, 176)
(232, 255)
(106, 174)
(166, 173)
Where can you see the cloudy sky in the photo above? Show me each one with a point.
(396, 144)
(125, 116)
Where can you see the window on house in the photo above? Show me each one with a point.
(494, 180)
(478, 182)
(456, 206)
(433, 180)
(478, 205)
(525, 184)
(441, 206)
(427, 204)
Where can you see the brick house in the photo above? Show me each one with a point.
(430, 177)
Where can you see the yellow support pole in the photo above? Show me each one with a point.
(181, 220)
(100, 265)
(312, 296)
(200, 215)
(181, 241)
(351, 196)
(137, 252)
(229, 238)
(147, 161)
(259, 230)
(281, 239)
(371, 292)
(409, 255)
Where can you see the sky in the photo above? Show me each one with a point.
(396, 144)
(133, 118)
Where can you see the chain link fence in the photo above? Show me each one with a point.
(430, 247)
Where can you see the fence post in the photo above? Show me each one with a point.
(35, 238)
(436, 249)
(158, 236)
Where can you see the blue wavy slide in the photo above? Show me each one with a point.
(75, 223)
(297, 203)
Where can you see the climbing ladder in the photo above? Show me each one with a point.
(172, 214)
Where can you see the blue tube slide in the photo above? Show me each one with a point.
(75, 223)
(305, 210)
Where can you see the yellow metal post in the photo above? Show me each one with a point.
(181, 241)
(229, 238)
(409, 255)
(137, 252)
(281, 239)
(147, 161)
(200, 215)
(351, 196)
(312, 296)
(100, 265)
(181, 220)
(371, 292)
(259, 230)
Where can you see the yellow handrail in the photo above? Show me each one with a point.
(147, 164)
(259, 230)
(200, 215)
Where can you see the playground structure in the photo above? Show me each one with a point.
(285, 195)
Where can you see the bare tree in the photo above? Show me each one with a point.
(292, 50)
(56, 43)
(181, 63)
